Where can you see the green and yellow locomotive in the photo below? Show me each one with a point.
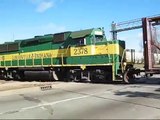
(79, 55)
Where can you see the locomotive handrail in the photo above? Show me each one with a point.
(51, 60)
(11, 62)
(123, 54)
(4, 62)
(64, 53)
(25, 62)
(33, 61)
(42, 61)
(62, 59)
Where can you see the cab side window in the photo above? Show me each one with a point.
(80, 41)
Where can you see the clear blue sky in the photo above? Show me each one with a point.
(27, 18)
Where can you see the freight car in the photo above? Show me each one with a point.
(75, 56)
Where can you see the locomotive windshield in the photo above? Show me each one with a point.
(99, 38)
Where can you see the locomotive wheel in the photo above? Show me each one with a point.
(93, 78)
(106, 77)
(128, 76)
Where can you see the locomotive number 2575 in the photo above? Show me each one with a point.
(80, 51)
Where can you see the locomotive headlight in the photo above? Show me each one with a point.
(98, 33)
(124, 63)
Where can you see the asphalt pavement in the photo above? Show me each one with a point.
(69, 100)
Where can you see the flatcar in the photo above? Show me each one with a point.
(68, 56)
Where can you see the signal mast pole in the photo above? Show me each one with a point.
(149, 42)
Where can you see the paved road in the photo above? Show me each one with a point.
(82, 100)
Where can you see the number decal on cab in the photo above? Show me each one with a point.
(80, 51)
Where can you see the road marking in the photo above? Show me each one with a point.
(53, 103)
(44, 104)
